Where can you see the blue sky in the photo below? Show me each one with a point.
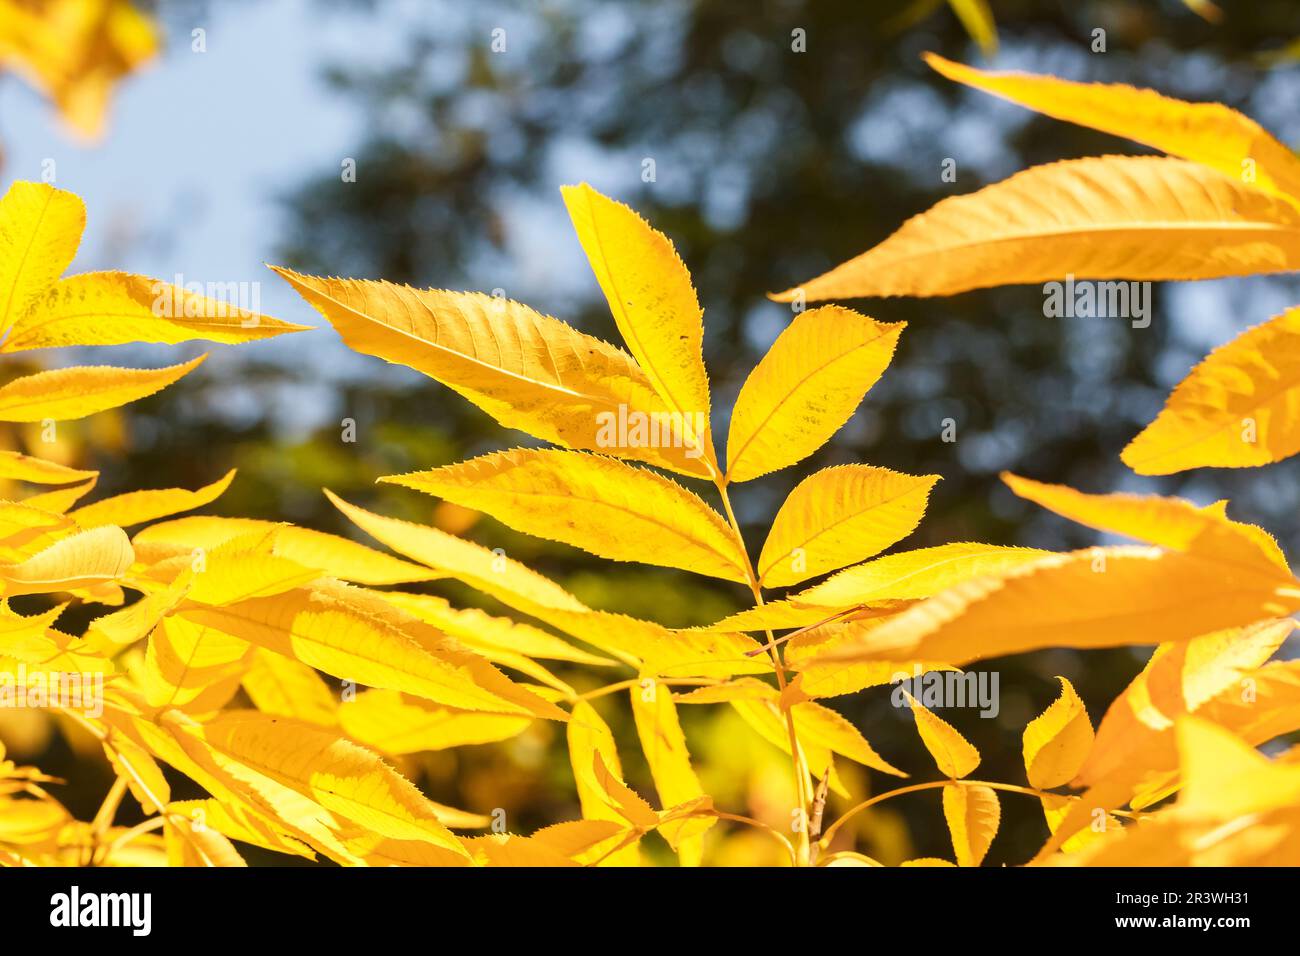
(197, 149)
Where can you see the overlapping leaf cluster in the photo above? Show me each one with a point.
(280, 668)
(1216, 594)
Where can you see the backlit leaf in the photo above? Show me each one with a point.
(652, 300)
(115, 308)
(69, 393)
(136, 507)
(19, 467)
(973, 814)
(953, 754)
(1100, 597)
(1207, 133)
(665, 751)
(527, 370)
(40, 229)
(590, 740)
(838, 516)
(1115, 217)
(397, 723)
(81, 560)
(1167, 522)
(806, 386)
(598, 504)
(1238, 408)
(1058, 740)
(329, 553)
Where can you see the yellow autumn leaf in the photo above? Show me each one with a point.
(1211, 134)
(239, 823)
(626, 802)
(952, 753)
(193, 667)
(53, 653)
(1210, 754)
(1178, 680)
(973, 814)
(820, 730)
(810, 653)
(397, 723)
(652, 300)
(1238, 408)
(1057, 741)
(467, 626)
(778, 615)
(1168, 522)
(482, 631)
(527, 370)
(822, 727)
(331, 554)
(498, 639)
(910, 575)
(840, 515)
(590, 740)
(595, 503)
(1237, 809)
(243, 568)
(19, 467)
(745, 688)
(1136, 760)
(188, 845)
(80, 560)
(144, 777)
(30, 821)
(23, 526)
(354, 636)
(116, 308)
(480, 567)
(664, 747)
(1130, 217)
(1205, 9)
(119, 629)
(285, 687)
(25, 637)
(580, 840)
(136, 507)
(347, 798)
(977, 19)
(648, 646)
(512, 850)
(927, 861)
(805, 388)
(1099, 597)
(40, 230)
(1056, 810)
(65, 394)
(61, 500)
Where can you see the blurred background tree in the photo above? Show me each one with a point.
(769, 140)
